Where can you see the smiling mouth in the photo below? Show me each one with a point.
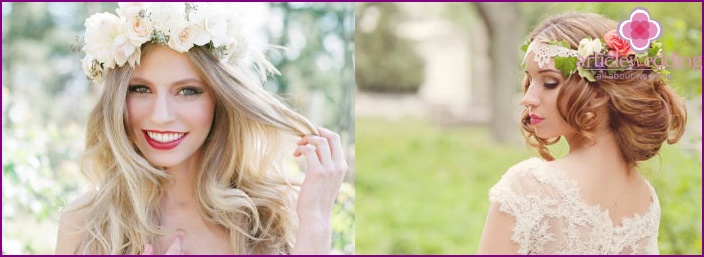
(164, 140)
(164, 137)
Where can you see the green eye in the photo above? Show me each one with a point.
(190, 91)
(139, 89)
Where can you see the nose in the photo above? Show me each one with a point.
(530, 98)
(162, 111)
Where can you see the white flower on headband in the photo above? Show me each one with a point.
(102, 31)
(198, 18)
(588, 47)
(181, 39)
(216, 25)
(115, 40)
(129, 10)
(168, 17)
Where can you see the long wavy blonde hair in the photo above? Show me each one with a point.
(240, 185)
(643, 111)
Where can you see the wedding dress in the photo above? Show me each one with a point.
(551, 216)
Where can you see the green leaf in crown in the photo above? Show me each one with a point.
(566, 65)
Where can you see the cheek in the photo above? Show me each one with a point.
(136, 112)
(200, 114)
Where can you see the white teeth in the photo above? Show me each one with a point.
(165, 137)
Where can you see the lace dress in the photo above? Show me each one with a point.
(551, 216)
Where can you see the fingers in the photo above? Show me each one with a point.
(324, 175)
(321, 147)
(335, 143)
(323, 152)
(310, 154)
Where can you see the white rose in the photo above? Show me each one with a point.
(135, 58)
(197, 19)
(586, 48)
(216, 25)
(182, 40)
(596, 45)
(123, 49)
(138, 30)
(101, 31)
(201, 37)
(131, 10)
(167, 17)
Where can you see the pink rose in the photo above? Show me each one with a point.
(617, 46)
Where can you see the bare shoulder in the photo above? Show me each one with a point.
(72, 218)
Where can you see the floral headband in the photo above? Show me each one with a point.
(112, 41)
(594, 58)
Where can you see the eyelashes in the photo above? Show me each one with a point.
(190, 91)
(187, 91)
(139, 89)
(551, 85)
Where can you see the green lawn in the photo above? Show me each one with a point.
(423, 189)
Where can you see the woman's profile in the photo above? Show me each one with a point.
(183, 147)
(593, 200)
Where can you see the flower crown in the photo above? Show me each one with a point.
(595, 58)
(111, 41)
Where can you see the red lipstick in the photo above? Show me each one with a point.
(535, 119)
(163, 145)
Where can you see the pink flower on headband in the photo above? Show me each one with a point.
(617, 46)
(639, 30)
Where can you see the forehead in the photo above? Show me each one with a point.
(162, 62)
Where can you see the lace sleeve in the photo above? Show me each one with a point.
(521, 194)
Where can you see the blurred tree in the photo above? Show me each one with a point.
(327, 32)
(503, 25)
(386, 62)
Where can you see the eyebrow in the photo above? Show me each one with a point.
(180, 82)
(545, 70)
(549, 70)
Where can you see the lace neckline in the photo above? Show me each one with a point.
(596, 210)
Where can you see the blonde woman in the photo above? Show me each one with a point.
(593, 200)
(183, 146)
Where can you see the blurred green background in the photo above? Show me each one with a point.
(46, 99)
(428, 158)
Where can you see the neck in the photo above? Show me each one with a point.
(179, 188)
(603, 154)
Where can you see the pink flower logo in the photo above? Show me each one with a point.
(639, 30)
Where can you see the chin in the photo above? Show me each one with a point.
(162, 162)
(546, 134)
